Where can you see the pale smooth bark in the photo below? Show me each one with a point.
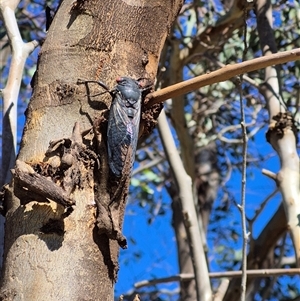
(184, 184)
(282, 133)
(10, 92)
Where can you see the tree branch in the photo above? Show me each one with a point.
(259, 250)
(230, 274)
(222, 74)
(242, 206)
(184, 184)
(20, 52)
(282, 132)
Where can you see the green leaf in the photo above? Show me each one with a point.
(135, 182)
(151, 176)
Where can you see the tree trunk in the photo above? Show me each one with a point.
(52, 252)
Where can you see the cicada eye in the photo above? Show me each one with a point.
(121, 80)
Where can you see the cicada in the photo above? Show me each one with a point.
(123, 124)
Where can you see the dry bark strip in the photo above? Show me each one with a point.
(38, 187)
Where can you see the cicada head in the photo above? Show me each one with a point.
(129, 89)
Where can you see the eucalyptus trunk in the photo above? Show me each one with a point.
(58, 245)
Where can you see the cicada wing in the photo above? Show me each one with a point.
(135, 126)
(122, 135)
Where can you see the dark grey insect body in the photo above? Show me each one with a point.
(123, 124)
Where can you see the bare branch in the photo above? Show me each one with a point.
(232, 128)
(230, 274)
(148, 165)
(246, 78)
(263, 205)
(269, 174)
(259, 250)
(256, 273)
(219, 295)
(184, 184)
(282, 133)
(20, 52)
(179, 277)
(242, 207)
(222, 74)
(245, 235)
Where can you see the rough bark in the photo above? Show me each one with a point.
(53, 249)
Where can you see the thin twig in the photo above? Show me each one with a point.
(230, 274)
(263, 205)
(244, 169)
(242, 207)
(270, 174)
(232, 128)
(148, 165)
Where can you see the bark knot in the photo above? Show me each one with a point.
(283, 121)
